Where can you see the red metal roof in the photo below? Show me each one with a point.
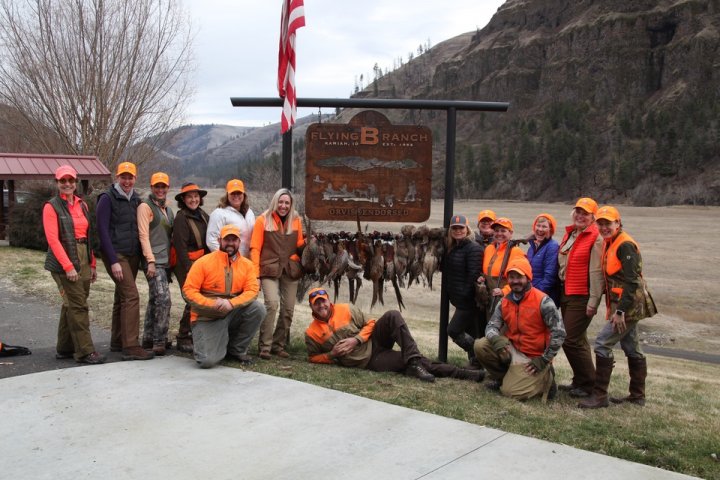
(31, 166)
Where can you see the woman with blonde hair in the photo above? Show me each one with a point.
(275, 249)
(233, 208)
(462, 267)
(580, 271)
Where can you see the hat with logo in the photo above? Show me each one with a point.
(235, 185)
(520, 265)
(608, 213)
(189, 187)
(316, 293)
(65, 171)
(503, 222)
(487, 214)
(459, 220)
(126, 167)
(587, 204)
(229, 229)
(159, 177)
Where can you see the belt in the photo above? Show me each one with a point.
(81, 240)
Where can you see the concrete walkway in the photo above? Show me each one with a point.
(167, 419)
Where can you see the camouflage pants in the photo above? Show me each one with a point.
(157, 314)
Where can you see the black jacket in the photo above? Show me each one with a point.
(463, 265)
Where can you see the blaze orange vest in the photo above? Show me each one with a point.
(611, 262)
(577, 272)
(526, 329)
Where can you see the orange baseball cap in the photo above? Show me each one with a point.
(229, 229)
(520, 265)
(487, 214)
(126, 167)
(316, 293)
(608, 213)
(65, 171)
(503, 222)
(551, 221)
(587, 204)
(159, 177)
(235, 185)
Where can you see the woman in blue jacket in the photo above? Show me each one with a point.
(543, 256)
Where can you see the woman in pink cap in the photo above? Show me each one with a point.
(71, 262)
(233, 208)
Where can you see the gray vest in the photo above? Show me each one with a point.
(160, 233)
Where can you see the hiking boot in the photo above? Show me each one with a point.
(494, 385)
(136, 353)
(159, 349)
(184, 345)
(637, 368)
(147, 344)
(474, 375)
(281, 353)
(93, 358)
(265, 354)
(603, 372)
(63, 355)
(415, 369)
(243, 359)
(566, 388)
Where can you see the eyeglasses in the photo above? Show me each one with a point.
(66, 180)
(317, 293)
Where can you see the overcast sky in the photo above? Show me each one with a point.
(236, 47)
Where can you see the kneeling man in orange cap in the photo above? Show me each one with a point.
(222, 288)
(518, 360)
(341, 333)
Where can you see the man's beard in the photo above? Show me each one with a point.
(230, 250)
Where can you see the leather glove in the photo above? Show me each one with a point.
(539, 363)
(499, 343)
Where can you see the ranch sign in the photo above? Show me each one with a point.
(368, 169)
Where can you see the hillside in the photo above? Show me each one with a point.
(615, 99)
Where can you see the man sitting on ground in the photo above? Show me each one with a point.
(340, 333)
(518, 361)
(222, 288)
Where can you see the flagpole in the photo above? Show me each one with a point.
(287, 165)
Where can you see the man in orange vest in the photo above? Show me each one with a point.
(342, 334)
(222, 288)
(518, 362)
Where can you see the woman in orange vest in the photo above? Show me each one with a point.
(628, 301)
(581, 281)
(275, 248)
(188, 238)
(496, 258)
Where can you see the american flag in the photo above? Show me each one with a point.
(293, 17)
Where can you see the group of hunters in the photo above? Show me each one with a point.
(514, 310)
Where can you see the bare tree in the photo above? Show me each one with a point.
(102, 75)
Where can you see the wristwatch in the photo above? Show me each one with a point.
(619, 312)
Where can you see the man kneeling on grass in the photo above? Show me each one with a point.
(222, 288)
(340, 333)
(522, 337)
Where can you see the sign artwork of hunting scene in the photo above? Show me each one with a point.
(368, 169)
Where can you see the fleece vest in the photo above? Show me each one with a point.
(160, 233)
(67, 236)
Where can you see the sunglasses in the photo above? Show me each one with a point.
(66, 180)
(317, 293)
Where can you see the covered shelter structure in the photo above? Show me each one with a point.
(27, 166)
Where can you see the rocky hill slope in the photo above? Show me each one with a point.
(618, 99)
